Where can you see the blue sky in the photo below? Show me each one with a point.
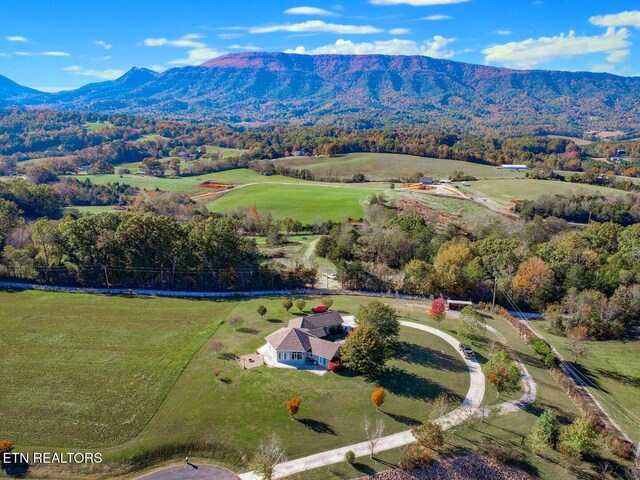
(64, 44)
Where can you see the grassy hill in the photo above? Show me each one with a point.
(389, 166)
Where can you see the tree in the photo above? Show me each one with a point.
(577, 343)
(262, 310)
(441, 405)
(373, 432)
(174, 167)
(438, 310)
(381, 317)
(42, 235)
(579, 438)
(471, 323)
(327, 302)
(378, 396)
(300, 305)
(364, 351)
(235, 321)
(534, 282)
(153, 167)
(544, 433)
(418, 277)
(450, 264)
(429, 435)
(287, 304)
(502, 372)
(9, 218)
(5, 447)
(350, 457)
(269, 453)
(293, 406)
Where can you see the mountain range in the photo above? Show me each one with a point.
(357, 90)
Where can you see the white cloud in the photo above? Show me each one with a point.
(103, 44)
(157, 68)
(187, 41)
(107, 74)
(321, 12)
(532, 52)
(399, 31)
(230, 36)
(43, 54)
(629, 18)
(317, 26)
(435, 18)
(502, 32)
(602, 68)
(102, 59)
(198, 56)
(53, 89)
(416, 3)
(17, 38)
(433, 48)
(247, 48)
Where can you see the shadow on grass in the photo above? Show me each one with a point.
(274, 320)
(317, 426)
(426, 357)
(406, 384)
(251, 331)
(364, 469)
(404, 419)
(620, 377)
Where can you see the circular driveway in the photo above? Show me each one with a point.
(191, 472)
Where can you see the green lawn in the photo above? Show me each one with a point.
(91, 208)
(306, 203)
(136, 373)
(388, 166)
(614, 369)
(504, 191)
(95, 126)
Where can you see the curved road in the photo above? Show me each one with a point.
(191, 472)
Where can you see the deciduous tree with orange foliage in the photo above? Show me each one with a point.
(378, 396)
(534, 282)
(5, 447)
(438, 309)
(293, 406)
(502, 373)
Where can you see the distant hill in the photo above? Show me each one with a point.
(362, 91)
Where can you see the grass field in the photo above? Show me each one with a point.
(225, 152)
(388, 166)
(503, 191)
(576, 140)
(306, 203)
(136, 373)
(613, 368)
(95, 126)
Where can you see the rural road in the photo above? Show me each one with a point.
(191, 472)
(469, 406)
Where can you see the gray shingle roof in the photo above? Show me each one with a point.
(291, 339)
(320, 320)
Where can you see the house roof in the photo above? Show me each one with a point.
(291, 339)
(315, 323)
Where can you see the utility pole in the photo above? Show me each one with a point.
(495, 286)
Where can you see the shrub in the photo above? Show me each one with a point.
(414, 457)
(5, 446)
(293, 406)
(579, 439)
(350, 457)
(300, 305)
(327, 302)
(287, 304)
(544, 433)
(429, 435)
(262, 310)
(335, 365)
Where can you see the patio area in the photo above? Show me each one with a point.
(311, 368)
(251, 360)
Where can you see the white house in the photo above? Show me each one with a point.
(300, 343)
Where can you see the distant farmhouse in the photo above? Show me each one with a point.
(426, 180)
(619, 156)
(302, 342)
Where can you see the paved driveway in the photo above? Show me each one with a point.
(191, 472)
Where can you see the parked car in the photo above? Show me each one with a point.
(466, 350)
(319, 309)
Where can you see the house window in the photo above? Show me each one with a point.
(297, 356)
(322, 361)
